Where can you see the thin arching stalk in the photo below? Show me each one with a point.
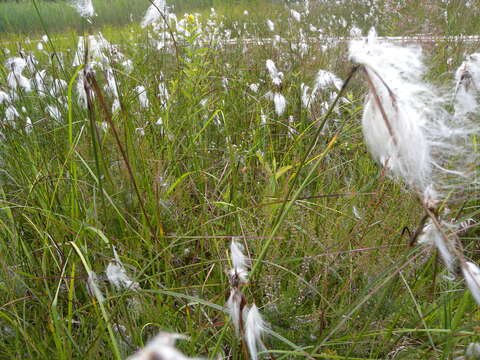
(287, 204)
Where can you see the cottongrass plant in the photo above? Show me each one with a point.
(157, 11)
(162, 347)
(467, 79)
(250, 328)
(396, 115)
(117, 275)
(326, 84)
(247, 320)
(473, 352)
(276, 77)
(15, 78)
(255, 327)
(84, 8)
(237, 276)
(408, 129)
(93, 287)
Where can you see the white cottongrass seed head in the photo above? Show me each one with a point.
(275, 75)
(280, 103)
(92, 287)
(406, 125)
(471, 273)
(396, 110)
(53, 112)
(4, 97)
(157, 10)
(255, 327)
(142, 96)
(11, 113)
(472, 352)
(117, 275)
(239, 260)
(270, 25)
(239, 273)
(431, 235)
(296, 15)
(84, 8)
(235, 306)
(467, 87)
(307, 96)
(162, 347)
(326, 79)
(253, 87)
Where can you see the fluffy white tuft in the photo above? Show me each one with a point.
(396, 112)
(239, 273)
(271, 25)
(98, 48)
(239, 260)
(355, 32)
(471, 273)
(117, 275)
(466, 92)
(142, 96)
(255, 327)
(275, 75)
(92, 287)
(16, 64)
(432, 236)
(253, 87)
(11, 113)
(54, 113)
(155, 11)
(84, 8)
(306, 95)
(406, 125)
(15, 78)
(234, 306)
(4, 97)
(280, 103)
(163, 94)
(325, 79)
(296, 15)
(162, 347)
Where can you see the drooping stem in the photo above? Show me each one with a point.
(108, 117)
(379, 104)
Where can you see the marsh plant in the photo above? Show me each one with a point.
(409, 130)
(245, 183)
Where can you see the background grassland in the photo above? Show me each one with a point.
(450, 17)
(22, 17)
(339, 281)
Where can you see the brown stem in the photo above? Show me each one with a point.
(378, 102)
(243, 302)
(458, 252)
(108, 117)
